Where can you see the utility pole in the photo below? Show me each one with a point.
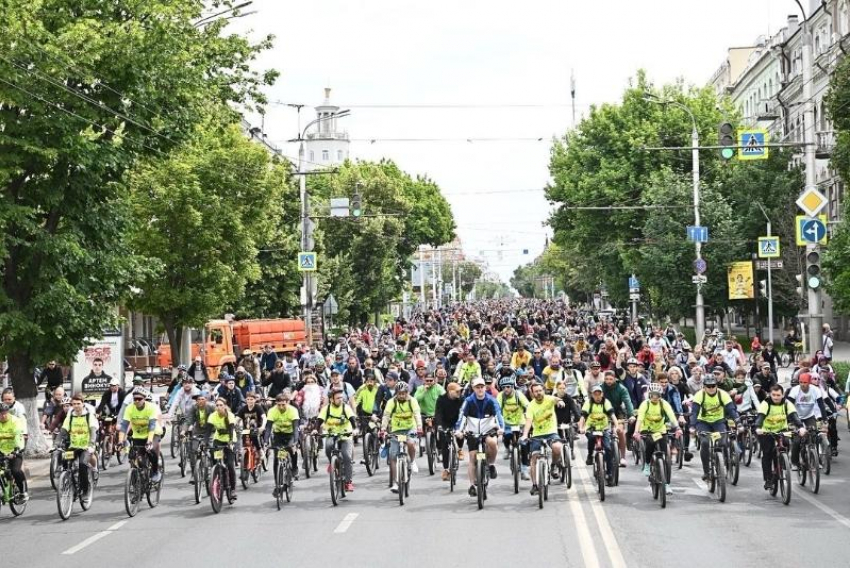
(422, 277)
(573, 94)
(814, 296)
(700, 307)
(769, 283)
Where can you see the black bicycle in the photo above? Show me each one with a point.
(10, 494)
(809, 468)
(659, 471)
(201, 469)
(454, 460)
(220, 482)
(139, 480)
(716, 465)
(336, 471)
(283, 477)
(430, 444)
(371, 445)
(781, 466)
(482, 469)
(69, 487)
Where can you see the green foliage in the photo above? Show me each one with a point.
(87, 90)
(487, 290)
(368, 259)
(836, 266)
(199, 217)
(467, 273)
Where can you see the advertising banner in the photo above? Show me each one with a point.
(741, 281)
(96, 364)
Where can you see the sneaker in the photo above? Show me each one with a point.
(413, 467)
(460, 455)
(349, 486)
(609, 480)
(589, 459)
(274, 493)
(295, 475)
(646, 470)
(472, 492)
(834, 452)
(556, 474)
(534, 490)
(795, 467)
(667, 489)
(445, 475)
(233, 495)
(622, 462)
(506, 455)
(157, 477)
(394, 490)
(689, 456)
(705, 477)
(493, 473)
(768, 484)
(524, 475)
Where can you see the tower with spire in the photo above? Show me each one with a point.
(325, 145)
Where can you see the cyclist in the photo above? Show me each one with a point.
(404, 417)
(468, 369)
(344, 388)
(653, 416)
(596, 414)
(253, 413)
(446, 414)
(540, 414)
(569, 413)
(80, 430)
(774, 414)
(808, 400)
(111, 400)
(196, 426)
(141, 416)
(183, 399)
(337, 419)
(12, 431)
(282, 427)
(709, 408)
(618, 396)
(480, 415)
(52, 409)
(221, 425)
(364, 398)
(427, 396)
(513, 404)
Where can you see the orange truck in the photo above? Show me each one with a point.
(225, 341)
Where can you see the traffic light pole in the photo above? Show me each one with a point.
(700, 307)
(769, 283)
(814, 295)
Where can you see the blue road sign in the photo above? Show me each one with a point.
(697, 234)
(752, 145)
(306, 261)
(700, 266)
(813, 231)
(633, 282)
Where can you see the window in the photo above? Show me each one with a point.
(312, 156)
(843, 17)
(325, 155)
(339, 155)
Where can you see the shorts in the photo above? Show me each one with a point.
(473, 441)
(394, 445)
(536, 441)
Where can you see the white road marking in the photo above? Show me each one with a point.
(608, 538)
(346, 523)
(828, 510)
(95, 537)
(585, 542)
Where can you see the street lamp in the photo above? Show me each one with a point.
(700, 307)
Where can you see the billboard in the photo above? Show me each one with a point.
(740, 276)
(93, 381)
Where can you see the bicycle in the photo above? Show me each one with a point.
(514, 453)
(599, 462)
(176, 424)
(824, 449)
(544, 471)
(482, 470)
(809, 468)
(251, 457)
(791, 356)
(283, 477)
(55, 462)
(781, 466)
(336, 474)
(371, 450)
(10, 494)
(568, 434)
(430, 444)
(716, 465)
(659, 472)
(310, 443)
(748, 442)
(732, 457)
(454, 461)
(69, 487)
(108, 442)
(674, 443)
(402, 467)
(220, 482)
(139, 481)
(201, 469)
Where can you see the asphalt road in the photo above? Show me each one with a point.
(369, 528)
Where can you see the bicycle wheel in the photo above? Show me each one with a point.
(278, 484)
(430, 450)
(680, 457)
(479, 481)
(175, 441)
(547, 476)
(287, 481)
(785, 360)
(55, 468)
(599, 473)
(307, 454)
(567, 468)
(132, 491)
(198, 479)
(119, 455)
(65, 494)
(615, 459)
(245, 471)
(216, 487)
(87, 497)
(106, 451)
(721, 478)
(515, 467)
(814, 469)
(748, 450)
(734, 467)
(453, 466)
(154, 489)
(654, 479)
(368, 442)
(332, 480)
(826, 452)
(183, 457)
(541, 481)
(660, 470)
(400, 475)
(17, 504)
(802, 468)
(784, 480)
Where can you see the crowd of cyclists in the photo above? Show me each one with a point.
(533, 374)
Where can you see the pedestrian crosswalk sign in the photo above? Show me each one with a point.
(306, 261)
(751, 144)
(769, 247)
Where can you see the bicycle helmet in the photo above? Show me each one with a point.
(507, 381)
(4, 407)
(402, 387)
(655, 388)
(139, 391)
(709, 381)
(632, 361)
(595, 388)
(188, 379)
(181, 368)
(66, 400)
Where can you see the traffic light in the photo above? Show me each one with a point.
(800, 285)
(726, 139)
(813, 269)
(763, 288)
(356, 205)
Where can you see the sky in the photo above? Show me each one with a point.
(463, 71)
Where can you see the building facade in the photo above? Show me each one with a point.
(326, 145)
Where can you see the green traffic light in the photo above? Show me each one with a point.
(727, 153)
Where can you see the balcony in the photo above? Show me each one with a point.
(327, 136)
(825, 144)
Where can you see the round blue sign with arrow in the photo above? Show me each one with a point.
(813, 231)
(700, 266)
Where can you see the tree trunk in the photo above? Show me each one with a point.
(26, 392)
(175, 341)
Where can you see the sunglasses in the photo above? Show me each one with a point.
(138, 399)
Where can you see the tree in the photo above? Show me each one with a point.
(373, 252)
(87, 89)
(200, 216)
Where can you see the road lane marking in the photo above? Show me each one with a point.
(95, 537)
(612, 547)
(585, 542)
(346, 523)
(828, 510)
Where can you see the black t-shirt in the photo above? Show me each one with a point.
(256, 414)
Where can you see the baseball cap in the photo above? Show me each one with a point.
(477, 381)
(805, 378)
(114, 382)
(420, 364)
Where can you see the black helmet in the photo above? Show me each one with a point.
(709, 381)
(4, 407)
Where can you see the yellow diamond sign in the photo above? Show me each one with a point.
(811, 201)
